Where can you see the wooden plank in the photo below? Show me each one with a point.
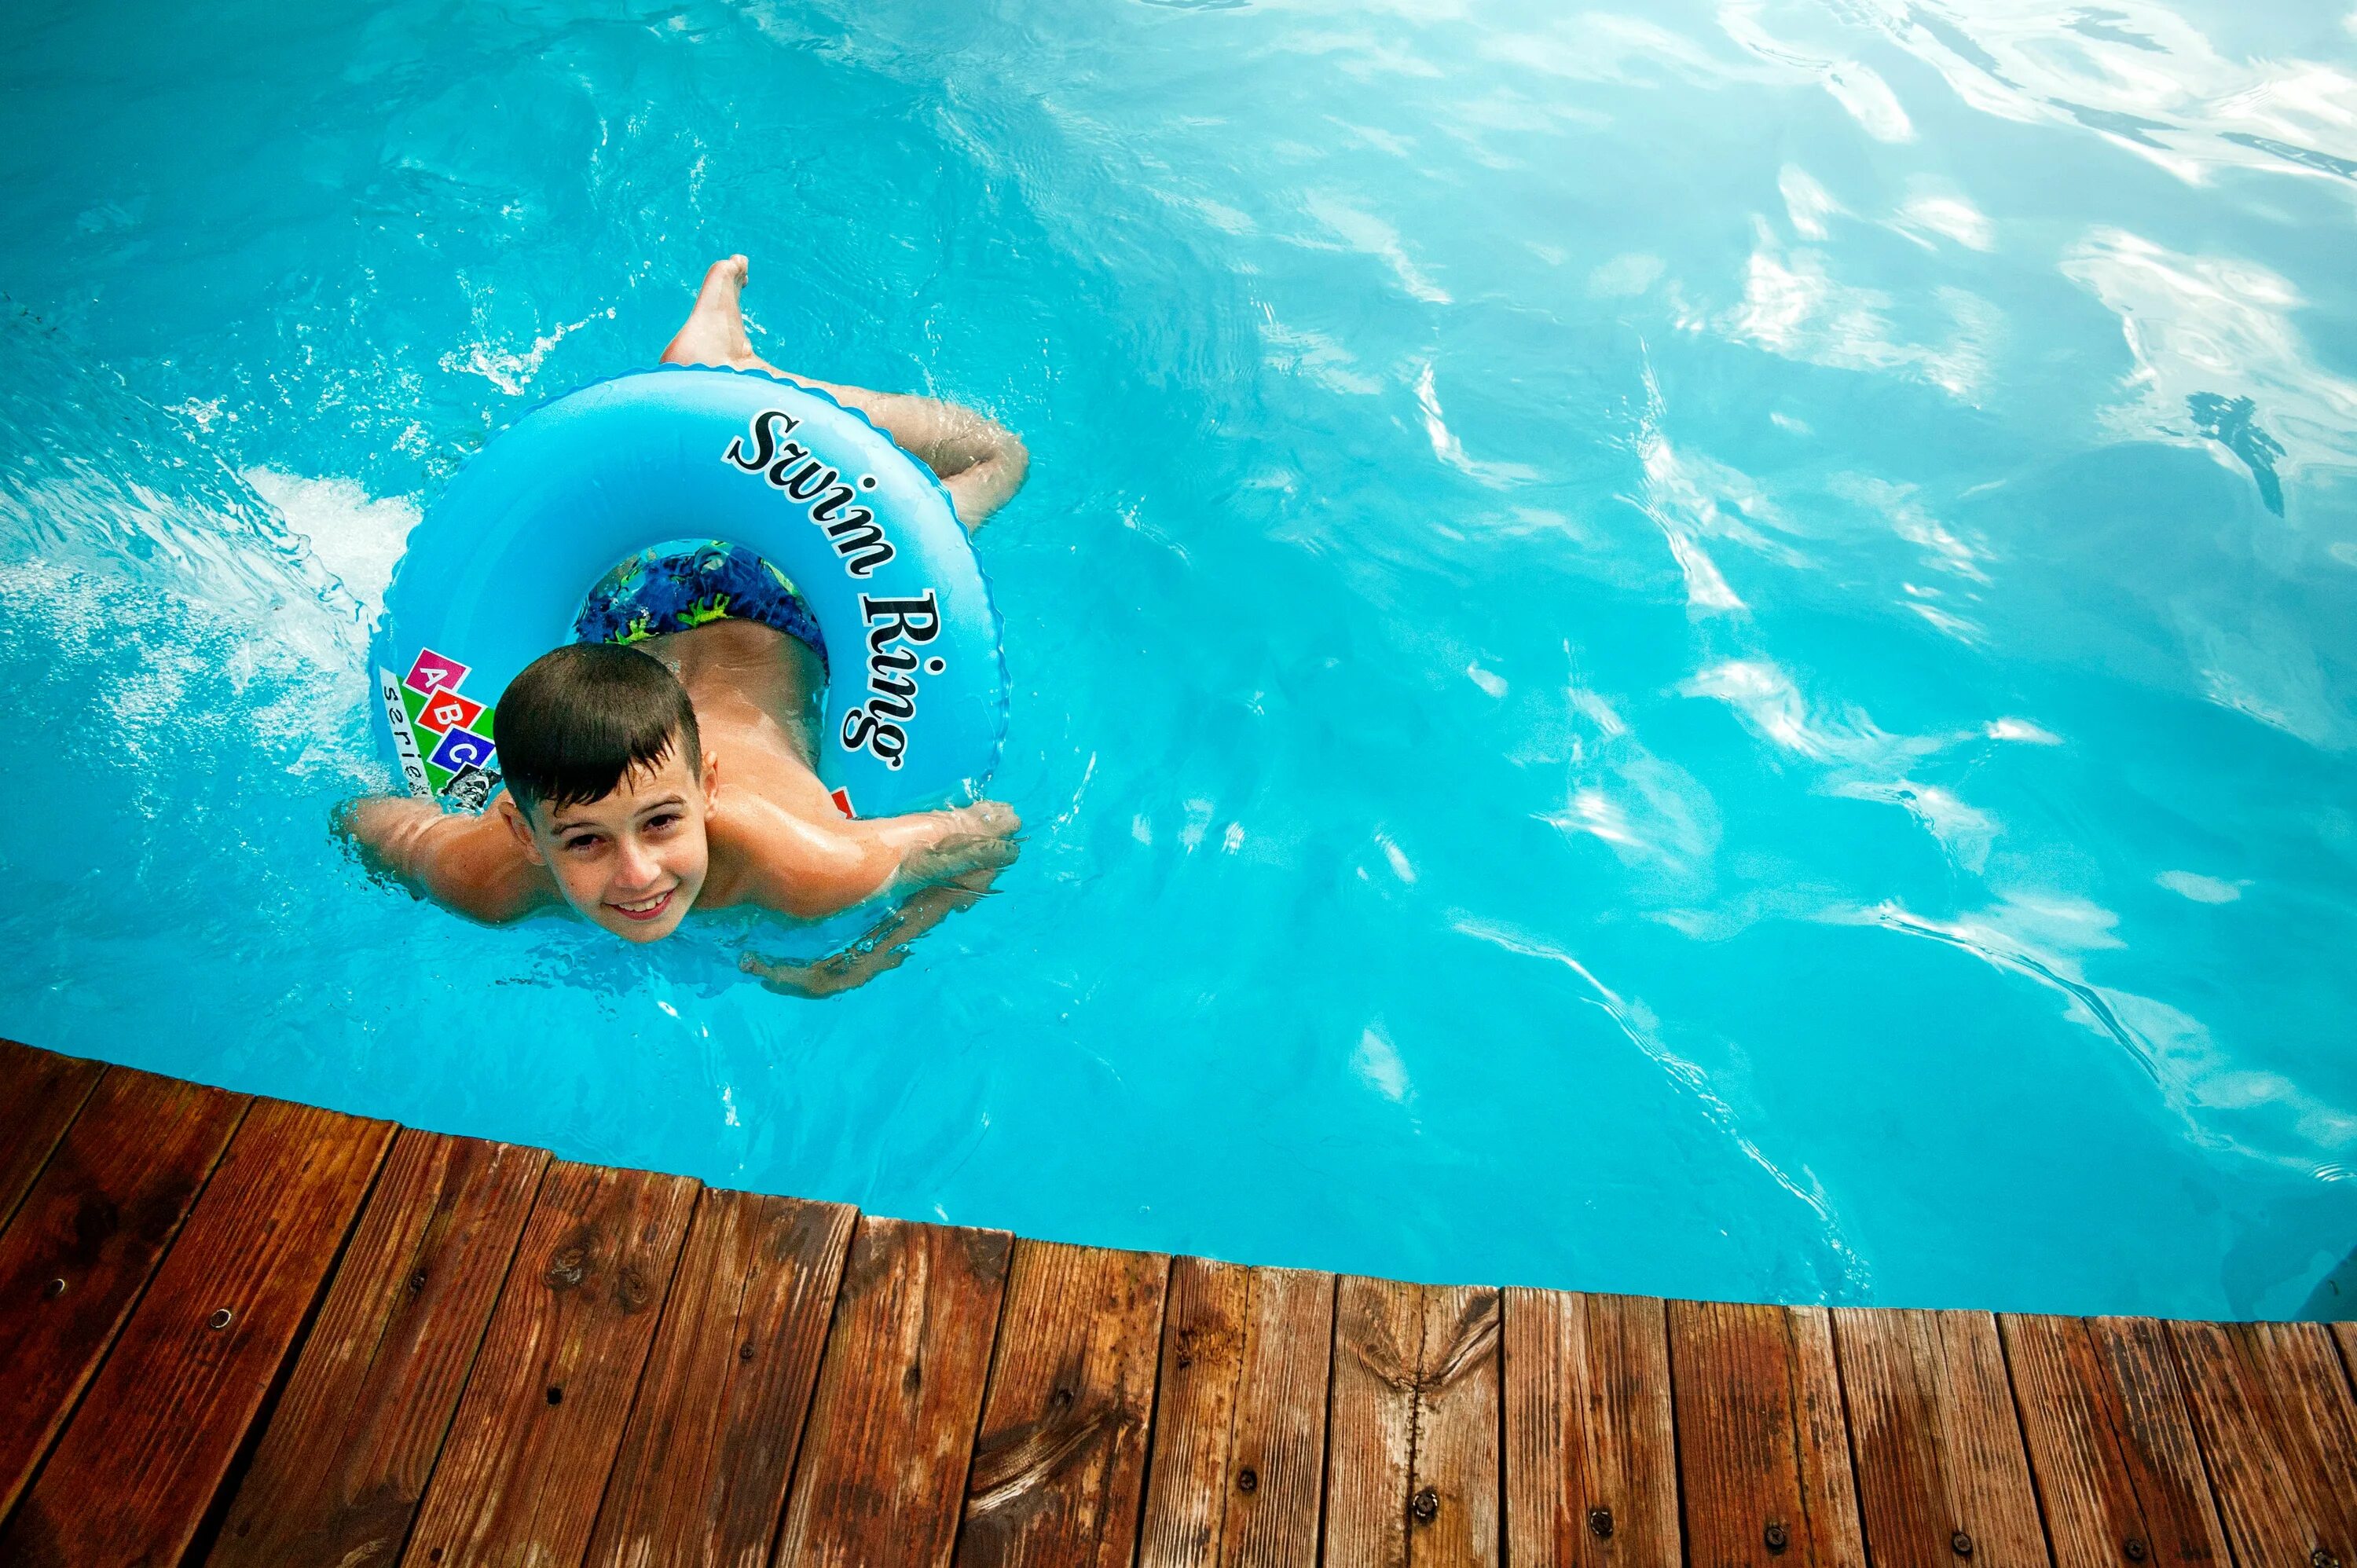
(2112, 1446)
(525, 1462)
(85, 1240)
(1763, 1456)
(1457, 1469)
(1059, 1467)
(1591, 1458)
(40, 1092)
(352, 1441)
(135, 1473)
(703, 1469)
(1239, 1426)
(2271, 1407)
(1413, 1472)
(892, 1425)
(1941, 1476)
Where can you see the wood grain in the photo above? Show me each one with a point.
(2271, 1408)
(2112, 1448)
(1412, 1432)
(892, 1425)
(1943, 1479)
(701, 1478)
(1240, 1422)
(136, 1472)
(1370, 1421)
(40, 1092)
(339, 1473)
(1591, 1456)
(107, 1203)
(1763, 1454)
(524, 1466)
(1060, 1464)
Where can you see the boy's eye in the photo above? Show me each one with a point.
(585, 841)
(660, 823)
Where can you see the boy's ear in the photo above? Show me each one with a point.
(711, 775)
(512, 814)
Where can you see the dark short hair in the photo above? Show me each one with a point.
(581, 719)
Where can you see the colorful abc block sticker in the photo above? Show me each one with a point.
(433, 672)
(445, 710)
(461, 749)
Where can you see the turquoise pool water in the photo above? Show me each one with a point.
(1698, 650)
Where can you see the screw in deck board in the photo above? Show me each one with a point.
(1426, 1505)
(1247, 1479)
(1599, 1522)
(2323, 1558)
(1961, 1544)
(54, 1289)
(2134, 1547)
(221, 1319)
(1776, 1535)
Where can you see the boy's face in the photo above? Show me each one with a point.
(634, 860)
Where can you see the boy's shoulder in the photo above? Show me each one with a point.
(769, 855)
(466, 862)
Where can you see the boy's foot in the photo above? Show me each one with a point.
(715, 330)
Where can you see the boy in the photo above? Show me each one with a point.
(643, 780)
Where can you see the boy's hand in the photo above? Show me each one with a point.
(980, 837)
(827, 977)
(885, 945)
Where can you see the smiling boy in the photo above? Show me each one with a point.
(678, 771)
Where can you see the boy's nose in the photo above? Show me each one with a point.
(637, 867)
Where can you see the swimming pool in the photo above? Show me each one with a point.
(1697, 650)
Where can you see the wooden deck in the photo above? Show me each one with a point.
(238, 1331)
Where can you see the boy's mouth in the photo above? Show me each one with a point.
(644, 909)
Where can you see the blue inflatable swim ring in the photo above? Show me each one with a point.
(499, 570)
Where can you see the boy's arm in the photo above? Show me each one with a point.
(470, 865)
(812, 872)
(980, 461)
(884, 946)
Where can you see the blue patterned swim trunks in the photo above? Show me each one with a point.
(677, 587)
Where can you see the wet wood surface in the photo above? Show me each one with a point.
(2271, 1411)
(1942, 1476)
(1412, 1426)
(339, 1476)
(45, 1093)
(245, 1332)
(703, 1469)
(523, 1467)
(1059, 1463)
(1240, 1431)
(891, 1439)
(109, 1197)
(1591, 1456)
(136, 1471)
(2111, 1443)
(1763, 1456)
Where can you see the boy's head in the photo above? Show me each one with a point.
(608, 785)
